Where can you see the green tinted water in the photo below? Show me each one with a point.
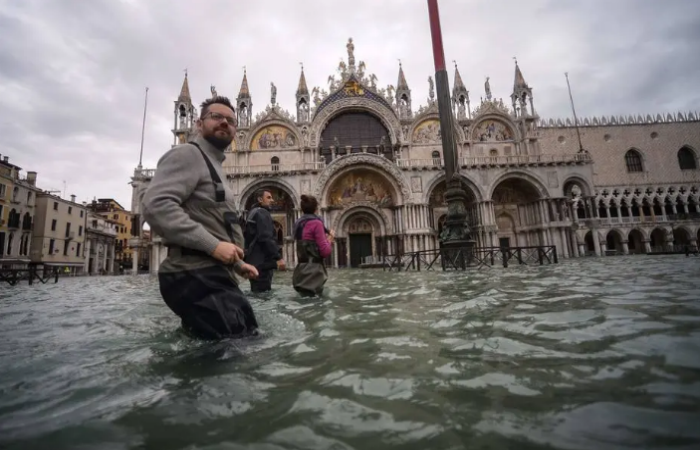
(587, 354)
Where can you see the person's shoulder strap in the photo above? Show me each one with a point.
(303, 223)
(218, 184)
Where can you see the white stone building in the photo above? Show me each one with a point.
(628, 185)
(100, 245)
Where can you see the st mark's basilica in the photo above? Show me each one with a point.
(612, 185)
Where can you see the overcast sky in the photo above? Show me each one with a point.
(73, 72)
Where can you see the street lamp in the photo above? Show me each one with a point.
(456, 233)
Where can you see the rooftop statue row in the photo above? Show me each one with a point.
(621, 120)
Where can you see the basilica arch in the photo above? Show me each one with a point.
(375, 163)
(284, 209)
(375, 107)
(522, 214)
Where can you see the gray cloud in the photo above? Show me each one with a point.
(73, 73)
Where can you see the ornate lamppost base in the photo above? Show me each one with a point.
(457, 243)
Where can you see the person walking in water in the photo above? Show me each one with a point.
(313, 241)
(193, 210)
(261, 249)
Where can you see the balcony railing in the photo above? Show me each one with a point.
(517, 160)
(434, 163)
(274, 168)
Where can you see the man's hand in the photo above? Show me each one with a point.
(281, 265)
(228, 253)
(247, 271)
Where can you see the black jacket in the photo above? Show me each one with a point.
(261, 249)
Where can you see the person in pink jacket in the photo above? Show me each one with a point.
(313, 241)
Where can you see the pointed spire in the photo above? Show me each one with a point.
(459, 85)
(244, 92)
(302, 89)
(401, 84)
(460, 97)
(185, 91)
(519, 79)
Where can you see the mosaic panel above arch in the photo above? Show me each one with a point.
(427, 132)
(361, 185)
(273, 137)
(492, 130)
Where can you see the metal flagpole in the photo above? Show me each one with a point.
(578, 133)
(143, 127)
(456, 232)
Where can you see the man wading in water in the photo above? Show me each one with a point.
(189, 205)
(261, 246)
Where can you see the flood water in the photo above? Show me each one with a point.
(598, 353)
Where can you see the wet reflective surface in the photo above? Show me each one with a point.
(587, 354)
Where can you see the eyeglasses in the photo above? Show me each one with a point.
(220, 117)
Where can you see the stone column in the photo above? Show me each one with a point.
(87, 256)
(135, 261)
(625, 248)
(564, 243)
(573, 239)
(596, 241)
(647, 246)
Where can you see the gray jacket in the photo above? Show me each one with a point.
(180, 205)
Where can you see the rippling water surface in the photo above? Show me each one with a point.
(587, 354)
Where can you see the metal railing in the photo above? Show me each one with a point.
(273, 168)
(467, 257)
(516, 160)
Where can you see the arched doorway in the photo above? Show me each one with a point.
(359, 130)
(282, 210)
(518, 199)
(506, 231)
(636, 242)
(360, 232)
(658, 240)
(590, 246)
(681, 239)
(614, 241)
(355, 200)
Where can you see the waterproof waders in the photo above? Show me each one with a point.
(201, 290)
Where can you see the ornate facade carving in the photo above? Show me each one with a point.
(379, 215)
(396, 177)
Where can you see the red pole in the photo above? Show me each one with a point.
(436, 33)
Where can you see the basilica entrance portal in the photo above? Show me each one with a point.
(359, 231)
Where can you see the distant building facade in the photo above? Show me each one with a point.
(17, 206)
(59, 233)
(112, 210)
(100, 245)
(629, 185)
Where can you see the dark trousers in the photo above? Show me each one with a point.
(209, 303)
(264, 281)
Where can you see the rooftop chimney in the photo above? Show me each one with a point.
(31, 178)
(6, 158)
(72, 198)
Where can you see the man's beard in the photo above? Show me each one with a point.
(219, 142)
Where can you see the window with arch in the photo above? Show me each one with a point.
(275, 162)
(633, 160)
(493, 152)
(686, 159)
